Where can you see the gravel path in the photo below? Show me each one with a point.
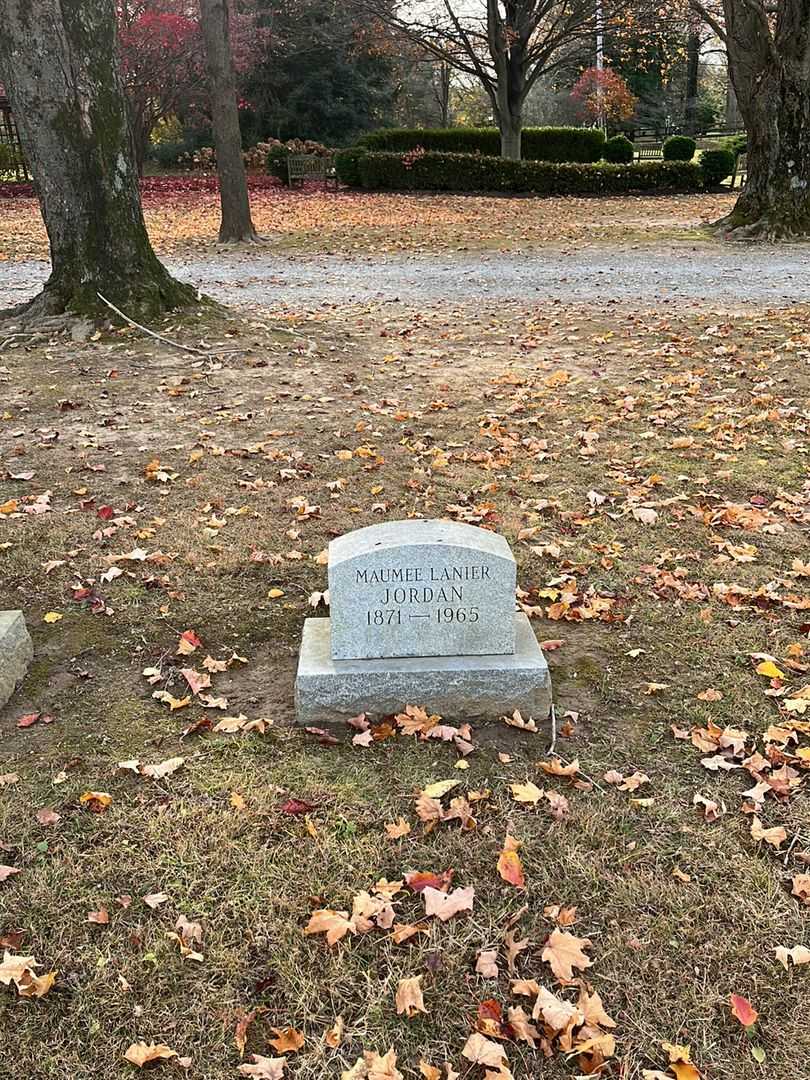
(729, 275)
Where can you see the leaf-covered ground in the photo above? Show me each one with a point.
(182, 215)
(166, 512)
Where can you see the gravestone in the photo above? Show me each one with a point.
(16, 652)
(421, 613)
(421, 588)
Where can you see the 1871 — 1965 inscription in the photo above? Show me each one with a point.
(421, 588)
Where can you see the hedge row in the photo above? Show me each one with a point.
(538, 144)
(472, 172)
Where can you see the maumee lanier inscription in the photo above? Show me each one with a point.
(421, 588)
(442, 599)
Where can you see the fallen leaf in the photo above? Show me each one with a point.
(775, 836)
(396, 830)
(265, 1068)
(287, 1040)
(482, 1051)
(526, 793)
(141, 1053)
(799, 954)
(408, 997)
(563, 952)
(509, 865)
(743, 1010)
(445, 905)
(487, 963)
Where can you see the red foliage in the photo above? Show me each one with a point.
(603, 94)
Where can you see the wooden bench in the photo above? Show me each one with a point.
(740, 169)
(303, 167)
(649, 152)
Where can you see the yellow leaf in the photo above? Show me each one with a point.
(769, 669)
(237, 801)
(52, 617)
(441, 787)
(526, 793)
(274, 594)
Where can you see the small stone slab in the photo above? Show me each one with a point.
(421, 588)
(16, 652)
(454, 686)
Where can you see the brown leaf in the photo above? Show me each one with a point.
(287, 1040)
(408, 997)
(396, 830)
(100, 917)
(775, 836)
(563, 952)
(265, 1068)
(141, 1053)
(481, 1051)
(335, 924)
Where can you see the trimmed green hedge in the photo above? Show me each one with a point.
(538, 144)
(473, 172)
(679, 148)
(619, 150)
(717, 165)
(276, 163)
(347, 165)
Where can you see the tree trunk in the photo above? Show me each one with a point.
(692, 68)
(236, 221)
(61, 68)
(771, 77)
(511, 132)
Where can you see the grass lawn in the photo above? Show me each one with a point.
(650, 472)
(185, 222)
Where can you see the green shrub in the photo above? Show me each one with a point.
(619, 150)
(168, 154)
(431, 171)
(716, 165)
(8, 158)
(679, 148)
(347, 165)
(538, 144)
(737, 144)
(276, 162)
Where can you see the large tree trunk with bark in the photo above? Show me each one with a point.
(236, 221)
(60, 64)
(770, 70)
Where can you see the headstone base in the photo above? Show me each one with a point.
(458, 687)
(16, 652)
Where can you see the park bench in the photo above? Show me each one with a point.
(303, 167)
(740, 169)
(649, 152)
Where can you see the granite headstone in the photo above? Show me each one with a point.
(422, 612)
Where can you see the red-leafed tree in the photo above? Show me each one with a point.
(602, 95)
(162, 63)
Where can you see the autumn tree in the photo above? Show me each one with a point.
(602, 94)
(236, 223)
(506, 45)
(768, 46)
(60, 64)
(162, 63)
